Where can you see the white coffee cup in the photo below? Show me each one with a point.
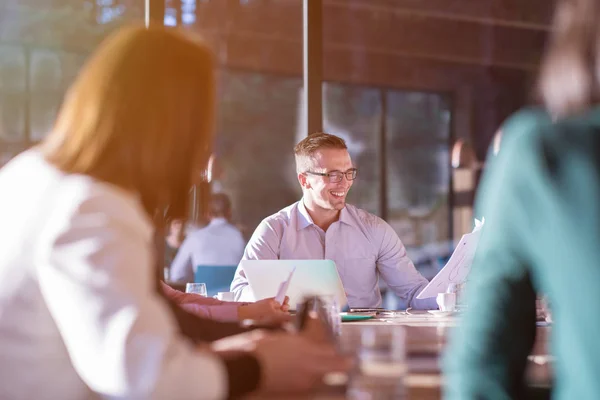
(225, 296)
(446, 301)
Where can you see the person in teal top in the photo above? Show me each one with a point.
(520, 123)
(541, 201)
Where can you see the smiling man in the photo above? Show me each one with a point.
(322, 226)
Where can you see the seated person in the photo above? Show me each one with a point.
(173, 240)
(218, 243)
(266, 310)
(322, 226)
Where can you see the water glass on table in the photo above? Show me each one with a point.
(382, 363)
(333, 312)
(321, 315)
(446, 301)
(196, 288)
(382, 350)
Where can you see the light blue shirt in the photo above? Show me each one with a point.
(217, 244)
(362, 245)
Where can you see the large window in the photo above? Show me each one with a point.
(417, 142)
(258, 100)
(354, 113)
(42, 47)
(257, 120)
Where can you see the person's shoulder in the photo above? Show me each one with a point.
(233, 230)
(562, 136)
(282, 217)
(89, 198)
(525, 120)
(573, 137)
(364, 217)
(278, 222)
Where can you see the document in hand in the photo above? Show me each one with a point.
(458, 266)
(283, 288)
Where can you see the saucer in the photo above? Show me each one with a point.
(440, 313)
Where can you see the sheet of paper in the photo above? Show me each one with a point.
(280, 297)
(458, 266)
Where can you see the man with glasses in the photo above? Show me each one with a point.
(322, 226)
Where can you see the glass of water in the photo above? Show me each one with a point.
(382, 350)
(334, 316)
(382, 363)
(197, 288)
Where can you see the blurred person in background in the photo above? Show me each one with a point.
(219, 243)
(82, 313)
(175, 236)
(541, 202)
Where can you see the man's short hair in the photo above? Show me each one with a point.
(220, 205)
(305, 150)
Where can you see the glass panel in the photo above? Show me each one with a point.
(12, 114)
(12, 68)
(258, 44)
(71, 63)
(42, 46)
(46, 71)
(255, 139)
(12, 93)
(418, 170)
(46, 80)
(43, 108)
(354, 113)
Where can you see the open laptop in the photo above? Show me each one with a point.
(312, 277)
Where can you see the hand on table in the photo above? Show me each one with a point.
(289, 363)
(266, 311)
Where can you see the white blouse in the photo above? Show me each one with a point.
(79, 315)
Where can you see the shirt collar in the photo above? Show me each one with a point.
(305, 220)
(346, 217)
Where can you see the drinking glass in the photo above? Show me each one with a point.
(382, 363)
(197, 288)
(332, 310)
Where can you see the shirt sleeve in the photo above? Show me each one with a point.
(488, 352)
(182, 269)
(201, 306)
(240, 245)
(175, 295)
(398, 271)
(96, 276)
(222, 312)
(263, 245)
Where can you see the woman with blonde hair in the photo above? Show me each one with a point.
(541, 202)
(81, 314)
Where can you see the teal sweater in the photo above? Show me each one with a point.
(541, 201)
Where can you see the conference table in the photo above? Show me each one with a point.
(426, 337)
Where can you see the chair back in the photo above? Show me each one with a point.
(217, 278)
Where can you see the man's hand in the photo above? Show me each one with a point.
(267, 310)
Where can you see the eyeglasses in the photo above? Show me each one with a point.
(337, 176)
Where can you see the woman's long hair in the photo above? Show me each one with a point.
(140, 116)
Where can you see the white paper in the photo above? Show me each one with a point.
(458, 266)
(280, 297)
